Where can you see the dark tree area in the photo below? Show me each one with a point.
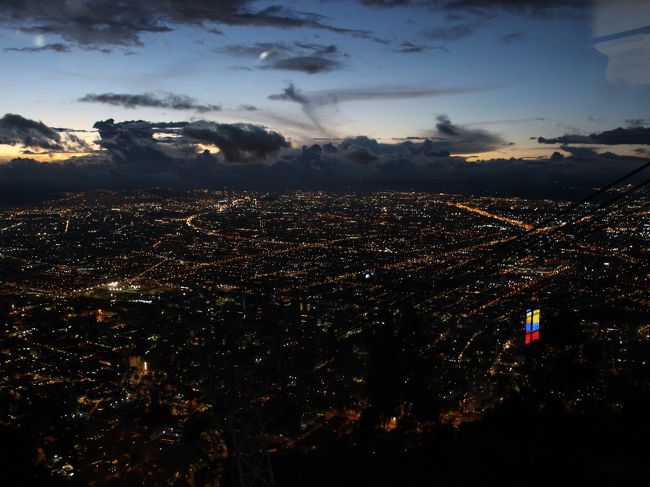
(399, 379)
(514, 445)
(532, 438)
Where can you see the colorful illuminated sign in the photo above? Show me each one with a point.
(532, 326)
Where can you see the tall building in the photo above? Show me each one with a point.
(532, 326)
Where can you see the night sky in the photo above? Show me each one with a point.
(112, 94)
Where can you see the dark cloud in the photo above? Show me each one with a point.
(520, 7)
(56, 47)
(319, 49)
(305, 64)
(637, 122)
(132, 143)
(489, 7)
(454, 32)
(277, 16)
(632, 135)
(170, 100)
(567, 139)
(465, 140)
(514, 38)
(312, 102)
(18, 130)
(257, 50)
(290, 93)
(360, 156)
(240, 142)
(107, 22)
(386, 3)
(265, 50)
(143, 147)
(407, 47)
(580, 153)
(247, 108)
(619, 136)
(15, 129)
(310, 58)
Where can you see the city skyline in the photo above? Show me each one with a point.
(377, 337)
(249, 243)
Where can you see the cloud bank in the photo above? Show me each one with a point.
(203, 154)
(141, 142)
(633, 135)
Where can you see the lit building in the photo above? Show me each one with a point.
(532, 326)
